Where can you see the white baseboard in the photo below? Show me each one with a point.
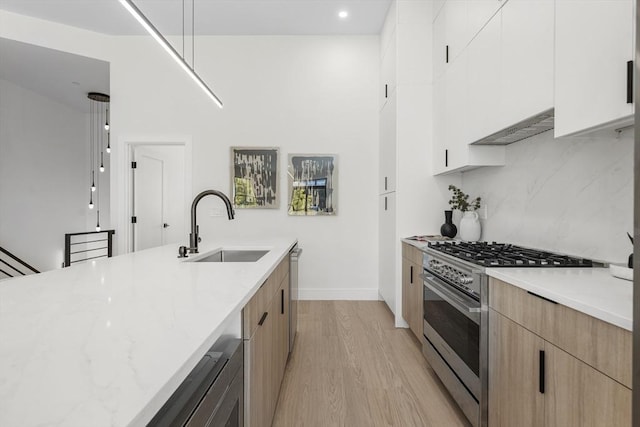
(355, 294)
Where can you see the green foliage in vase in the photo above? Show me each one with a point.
(460, 201)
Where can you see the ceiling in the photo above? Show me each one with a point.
(213, 17)
(61, 76)
(67, 78)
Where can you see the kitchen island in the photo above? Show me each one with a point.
(105, 343)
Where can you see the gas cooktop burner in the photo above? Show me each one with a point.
(506, 255)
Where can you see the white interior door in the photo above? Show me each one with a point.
(159, 203)
(148, 200)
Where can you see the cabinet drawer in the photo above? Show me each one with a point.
(602, 345)
(253, 311)
(411, 253)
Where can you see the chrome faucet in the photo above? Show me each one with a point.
(193, 237)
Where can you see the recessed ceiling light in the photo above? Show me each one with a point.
(343, 14)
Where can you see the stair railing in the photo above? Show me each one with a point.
(12, 266)
(80, 247)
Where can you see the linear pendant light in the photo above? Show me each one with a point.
(133, 10)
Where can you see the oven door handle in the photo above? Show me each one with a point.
(469, 310)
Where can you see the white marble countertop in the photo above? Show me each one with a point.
(105, 343)
(593, 291)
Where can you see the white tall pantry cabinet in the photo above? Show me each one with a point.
(411, 200)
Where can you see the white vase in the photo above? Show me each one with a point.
(470, 227)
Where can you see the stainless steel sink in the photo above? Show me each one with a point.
(234, 255)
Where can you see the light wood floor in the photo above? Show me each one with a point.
(352, 367)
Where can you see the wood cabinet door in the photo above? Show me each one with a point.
(514, 374)
(412, 296)
(261, 359)
(415, 283)
(282, 334)
(579, 395)
(406, 292)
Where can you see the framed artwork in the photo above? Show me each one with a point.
(313, 180)
(254, 177)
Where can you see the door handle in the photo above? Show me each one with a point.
(165, 225)
(263, 318)
(629, 82)
(541, 372)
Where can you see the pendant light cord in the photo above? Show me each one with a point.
(91, 139)
(97, 127)
(182, 29)
(193, 34)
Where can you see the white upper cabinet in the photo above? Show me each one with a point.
(452, 112)
(485, 81)
(439, 156)
(456, 23)
(437, 8)
(594, 42)
(456, 109)
(511, 67)
(439, 45)
(388, 71)
(527, 60)
(480, 12)
(457, 32)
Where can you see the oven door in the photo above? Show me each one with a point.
(452, 326)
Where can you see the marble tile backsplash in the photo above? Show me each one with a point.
(571, 195)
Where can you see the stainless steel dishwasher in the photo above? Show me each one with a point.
(294, 255)
(212, 395)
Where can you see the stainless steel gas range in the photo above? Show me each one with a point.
(456, 312)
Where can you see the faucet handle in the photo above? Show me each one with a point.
(182, 252)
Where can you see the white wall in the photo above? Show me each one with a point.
(572, 195)
(303, 94)
(44, 177)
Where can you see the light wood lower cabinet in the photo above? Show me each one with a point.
(514, 399)
(534, 382)
(412, 288)
(259, 381)
(266, 342)
(578, 395)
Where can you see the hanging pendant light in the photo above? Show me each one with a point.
(159, 38)
(98, 127)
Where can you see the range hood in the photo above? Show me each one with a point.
(525, 129)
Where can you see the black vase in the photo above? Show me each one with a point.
(448, 228)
